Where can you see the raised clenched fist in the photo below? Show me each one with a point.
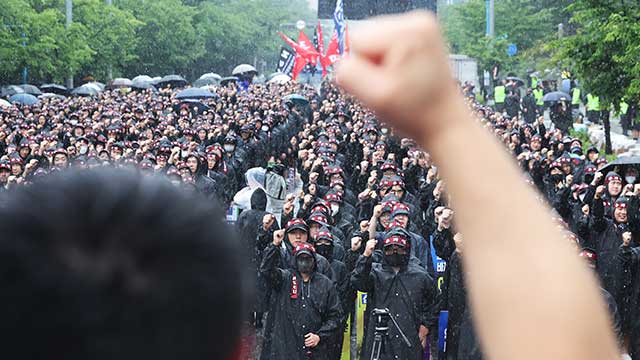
(371, 246)
(278, 236)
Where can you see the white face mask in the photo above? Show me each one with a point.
(265, 128)
(581, 197)
(630, 179)
(84, 149)
(334, 209)
(229, 148)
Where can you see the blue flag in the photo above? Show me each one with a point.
(338, 21)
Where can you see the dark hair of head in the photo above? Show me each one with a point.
(108, 264)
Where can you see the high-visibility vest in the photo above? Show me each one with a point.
(624, 107)
(534, 82)
(593, 103)
(575, 96)
(538, 94)
(499, 94)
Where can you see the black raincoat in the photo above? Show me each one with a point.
(314, 309)
(411, 297)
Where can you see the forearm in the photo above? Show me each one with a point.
(504, 238)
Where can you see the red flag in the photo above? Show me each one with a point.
(305, 52)
(333, 51)
(309, 52)
(298, 65)
(323, 59)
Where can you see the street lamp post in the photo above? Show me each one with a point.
(69, 13)
(24, 69)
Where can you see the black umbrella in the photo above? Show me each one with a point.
(54, 89)
(31, 89)
(191, 104)
(172, 81)
(142, 85)
(195, 93)
(621, 164)
(556, 96)
(225, 80)
(519, 81)
(85, 91)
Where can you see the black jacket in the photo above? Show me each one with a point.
(314, 309)
(411, 297)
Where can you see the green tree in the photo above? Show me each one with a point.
(110, 33)
(604, 53)
(521, 22)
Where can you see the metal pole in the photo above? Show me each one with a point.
(490, 18)
(110, 69)
(69, 8)
(24, 69)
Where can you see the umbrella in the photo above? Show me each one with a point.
(172, 80)
(51, 95)
(225, 80)
(85, 90)
(205, 81)
(243, 69)
(279, 79)
(95, 86)
(211, 76)
(195, 93)
(145, 78)
(556, 96)
(31, 89)
(297, 99)
(12, 90)
(120, 83)
(24, 99)
(4, 103)
(519, 81)
(621, 164)
(54, 88)
(191, 104)
(142, 85)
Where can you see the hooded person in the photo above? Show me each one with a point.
(406, 290)
(342, 218)
(607, 237)
(318, 220)
(205, 185)
(324, 245)
(306, 311)
(461, 339)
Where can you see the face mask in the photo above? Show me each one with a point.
(84, 149)
(384, 130)
(556, 178)
(334, 209)
(304, 264)
(325, 250)
(394, 259)
(265, 128)
(581, 197)
(229, 148)
(630, 179)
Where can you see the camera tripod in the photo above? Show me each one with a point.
(382, 317)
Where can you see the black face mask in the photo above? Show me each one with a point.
(325, 250)
(305, 264)
(395, 259)
(556, 178)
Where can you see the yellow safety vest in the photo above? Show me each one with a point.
(624, 107)
(538, 94)
(534, 82)
(575, 96)
(593, 103)
(499, 94)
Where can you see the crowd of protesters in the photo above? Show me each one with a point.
(373, 215)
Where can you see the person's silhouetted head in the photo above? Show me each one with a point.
(109, 264)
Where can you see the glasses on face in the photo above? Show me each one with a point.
(395, 249)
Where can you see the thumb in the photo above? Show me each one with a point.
(363, 79)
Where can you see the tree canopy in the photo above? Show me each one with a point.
(133, 37)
